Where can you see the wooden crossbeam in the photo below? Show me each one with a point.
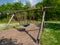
(15, 11)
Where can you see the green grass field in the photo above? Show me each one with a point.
(51, 34)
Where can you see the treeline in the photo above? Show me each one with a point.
(5, 8)
(54, 13)
(51, 14)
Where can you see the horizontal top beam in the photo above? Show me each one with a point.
(14, 11)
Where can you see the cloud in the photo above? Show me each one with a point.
(15, 0)
(33, 1)
(24, 1)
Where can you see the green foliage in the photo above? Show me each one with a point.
(3, 7)
(50, 2)
(17, 6)
(51, 34)
(51, 14)
(38, 5)
(28, 5)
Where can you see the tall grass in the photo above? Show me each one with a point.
(51, 34)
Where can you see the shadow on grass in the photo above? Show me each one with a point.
(6, 41)
(54, 26)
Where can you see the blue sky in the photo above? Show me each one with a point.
(12, 1)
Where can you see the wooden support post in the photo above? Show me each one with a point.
(42, 24)
(41, 27)
(10, 20)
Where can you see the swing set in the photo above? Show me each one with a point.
(28, 19)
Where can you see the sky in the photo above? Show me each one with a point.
(23, 1)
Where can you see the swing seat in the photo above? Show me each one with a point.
(25, 25)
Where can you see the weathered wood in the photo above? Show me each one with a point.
(41, 28)
(31, 9)
(42, 24)
(15, 11)
(10, 19)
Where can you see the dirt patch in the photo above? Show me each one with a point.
(19, 36)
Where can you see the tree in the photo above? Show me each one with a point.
(49, 3)
(28, 5)
(38, 5)
(3, 7)
(51, 13)
(18, 6)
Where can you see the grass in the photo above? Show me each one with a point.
(51, 34)
(12, 25)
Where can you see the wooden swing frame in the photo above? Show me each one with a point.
(42, 22)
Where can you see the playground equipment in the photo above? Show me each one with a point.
(25, 18)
